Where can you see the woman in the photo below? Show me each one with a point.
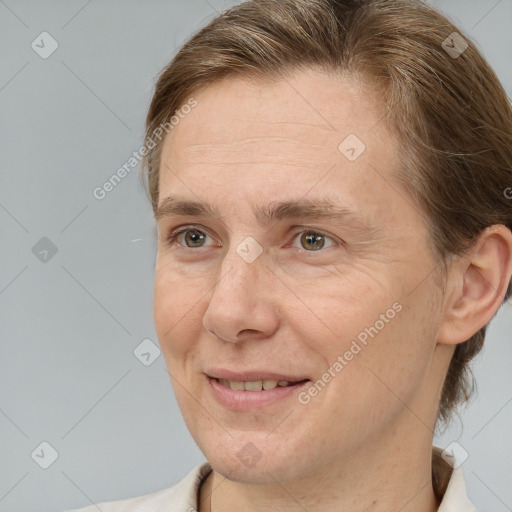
(334, 237)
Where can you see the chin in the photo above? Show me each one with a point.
(230, 467)
(251, 459)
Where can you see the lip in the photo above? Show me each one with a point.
(222, 373)
(252, 400)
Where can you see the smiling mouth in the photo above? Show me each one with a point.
(257, 385)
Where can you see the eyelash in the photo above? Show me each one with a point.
(171, 238)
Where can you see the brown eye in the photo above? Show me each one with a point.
(312, 240)
(188, 237)
(194, 238)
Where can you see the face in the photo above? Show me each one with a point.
(313, 267)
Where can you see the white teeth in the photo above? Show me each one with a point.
(236, 385)
(256, 385)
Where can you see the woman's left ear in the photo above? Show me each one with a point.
(476, 285)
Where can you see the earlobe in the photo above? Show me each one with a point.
(476, 285)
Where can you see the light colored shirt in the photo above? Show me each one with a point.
(183, 496)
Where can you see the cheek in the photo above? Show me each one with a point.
(177, 313)
(370, 384)
(346, 311)
(395, 362)
(378, 331)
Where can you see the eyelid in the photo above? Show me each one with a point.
(305, 229)
(171, 238)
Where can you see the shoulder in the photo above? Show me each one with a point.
(181, 497)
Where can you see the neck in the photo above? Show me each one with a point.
(378, 478)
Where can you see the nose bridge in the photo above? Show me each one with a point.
(233, 273)
(242, 264)
(239, 274)
(240, 300)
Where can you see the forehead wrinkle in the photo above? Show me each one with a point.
(200, 123)
(264, 150)
(243, 143)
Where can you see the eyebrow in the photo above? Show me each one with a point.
(317, 208)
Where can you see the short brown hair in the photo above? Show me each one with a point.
(449, 112)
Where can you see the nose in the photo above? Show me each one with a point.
(242, 303)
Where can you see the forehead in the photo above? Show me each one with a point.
(307, 111)
(281, 140)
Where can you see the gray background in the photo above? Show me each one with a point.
(69, 326)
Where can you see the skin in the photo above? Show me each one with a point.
(364, 442)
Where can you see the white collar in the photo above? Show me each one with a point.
(455, 498)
